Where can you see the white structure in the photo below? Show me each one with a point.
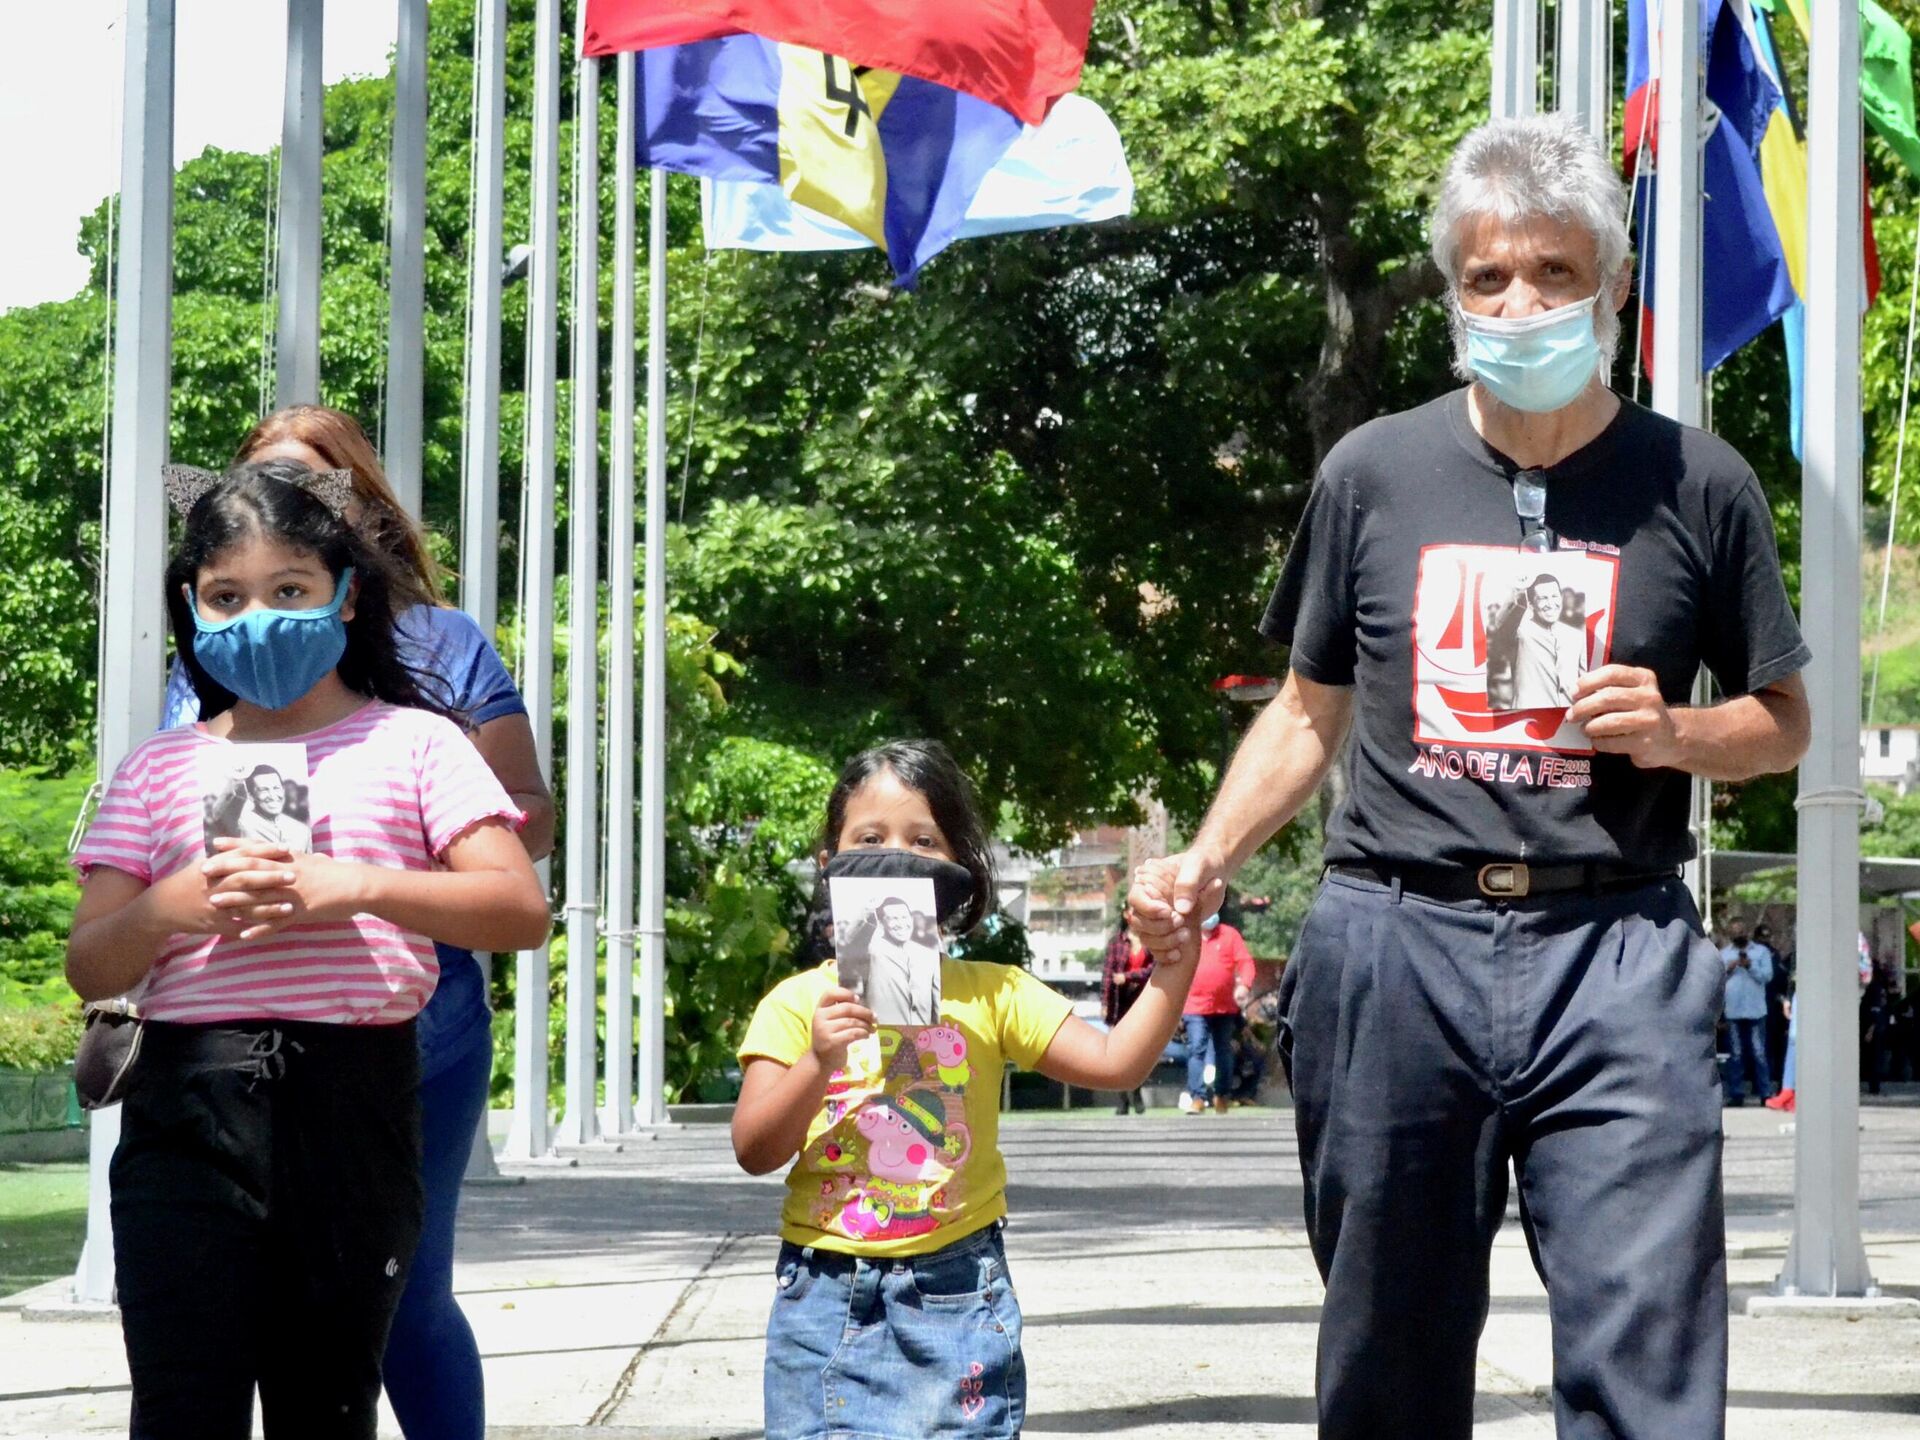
(1890, 755)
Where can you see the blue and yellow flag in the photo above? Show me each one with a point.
(894, 158)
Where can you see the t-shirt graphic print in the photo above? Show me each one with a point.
(1501, 637)
(904, 1154)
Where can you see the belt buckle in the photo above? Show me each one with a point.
(1505, 881)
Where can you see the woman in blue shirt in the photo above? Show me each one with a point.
(432, 1366)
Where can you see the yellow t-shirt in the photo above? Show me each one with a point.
(904, 1157)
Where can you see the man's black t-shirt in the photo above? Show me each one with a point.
(1407, 581)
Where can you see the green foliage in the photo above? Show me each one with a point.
(1286, 873)
(37, 887)
(1898, 832)
(40, 1037)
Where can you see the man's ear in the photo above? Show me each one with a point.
(1623, 287)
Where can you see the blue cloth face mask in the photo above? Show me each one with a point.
(271, 658)
(1539, 363)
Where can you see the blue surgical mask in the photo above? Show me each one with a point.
(1539, 363)
(271, 658)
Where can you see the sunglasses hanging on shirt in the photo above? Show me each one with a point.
(1530, 504)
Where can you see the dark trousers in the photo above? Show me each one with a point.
(266, 1202)
(1430, 1045)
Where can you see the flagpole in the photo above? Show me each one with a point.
(1583, 79)
(1677, 388)
(1826, 1256)
(617, 1112)
(132, 657)
(652, 1105)
(480, 477)
(527, 1137)
(1516, 42)
(407, 262)
(579, 1121)
(297, 368)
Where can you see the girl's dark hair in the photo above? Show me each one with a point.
(928, 767)
(266, 500)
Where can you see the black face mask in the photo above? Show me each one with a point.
(953, 887)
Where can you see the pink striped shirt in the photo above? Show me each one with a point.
(390, 786)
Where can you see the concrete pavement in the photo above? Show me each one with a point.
(1168, 1291)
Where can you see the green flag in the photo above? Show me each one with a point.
(1886, 75)
(1886, 82)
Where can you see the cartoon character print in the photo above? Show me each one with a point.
(911, 1151)
(944, 1048)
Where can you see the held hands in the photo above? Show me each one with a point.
(1624, 713)
(1169, 899)
(838, 1020)
(258, 889)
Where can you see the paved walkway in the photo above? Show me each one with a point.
(1168, 1291)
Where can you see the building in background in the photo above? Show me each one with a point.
(1890, 755)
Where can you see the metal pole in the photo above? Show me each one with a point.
(407, 261)
(527, 1138)
(480, 498)
(297, 374)
(579, 1121)
(1677, 388)
(1826, 1256)
(480, 478)
(1583, 83)
(132, 655)
(652, 1108)
(1516, 49)
(617, 1112)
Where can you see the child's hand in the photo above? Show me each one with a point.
(269, 890)
(839, 1020)
(184, 901)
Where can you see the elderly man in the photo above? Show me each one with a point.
(1502, 965)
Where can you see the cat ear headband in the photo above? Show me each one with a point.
(185, 484)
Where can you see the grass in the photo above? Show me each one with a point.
(43, 1222)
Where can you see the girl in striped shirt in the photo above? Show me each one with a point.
(266, 1190)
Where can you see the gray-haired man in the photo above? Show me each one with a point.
(1502, 965)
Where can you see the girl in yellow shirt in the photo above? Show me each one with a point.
(895, 1317)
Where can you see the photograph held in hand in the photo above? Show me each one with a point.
(257, 792)
(887, 943)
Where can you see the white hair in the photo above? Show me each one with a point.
(1528, 168)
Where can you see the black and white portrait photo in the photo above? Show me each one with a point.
(887, 946)
(257, 792)
(1536, 644)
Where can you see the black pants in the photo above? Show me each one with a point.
(1433, 1043)
(266, 1202)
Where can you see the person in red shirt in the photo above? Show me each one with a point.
(1213, 1015)
(1122, 978)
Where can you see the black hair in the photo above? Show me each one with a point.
(928, 767)
(267, 499)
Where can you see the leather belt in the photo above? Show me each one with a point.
(1502, 879)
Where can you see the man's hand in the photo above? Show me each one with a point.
(1623, 712)
(1170, 897)
(839, 1020)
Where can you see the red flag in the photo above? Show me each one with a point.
(1021, 55)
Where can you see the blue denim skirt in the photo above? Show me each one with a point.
(923, 1347)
